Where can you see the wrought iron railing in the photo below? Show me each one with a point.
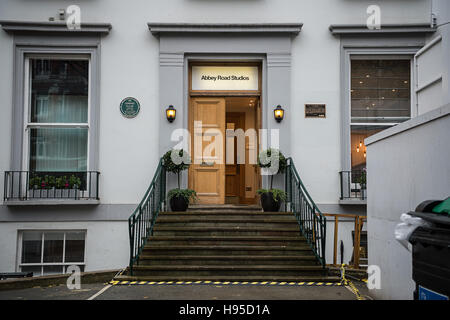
(40, 185)
(353, 185)
(311, 221)
(141, 222)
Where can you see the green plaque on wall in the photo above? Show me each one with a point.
(129, 107)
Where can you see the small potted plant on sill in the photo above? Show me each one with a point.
(271, 199)
(176, 161)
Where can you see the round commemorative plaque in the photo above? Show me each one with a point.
(129, 107)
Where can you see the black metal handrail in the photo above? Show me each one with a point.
(353, 184)
(141, 222)
(310, 219)
(34, 185)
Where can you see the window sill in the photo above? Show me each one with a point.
(50, 202)
(357, 202)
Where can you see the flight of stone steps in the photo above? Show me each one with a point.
(227, 243)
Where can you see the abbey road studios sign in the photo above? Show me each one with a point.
(129, 107)
(224, 78)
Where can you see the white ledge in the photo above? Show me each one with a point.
(51, 202)
(361, 29)
(161, 28)
(410, 124)
(353, 202)
(11, 26)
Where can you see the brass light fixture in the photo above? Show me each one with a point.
(171, 113)
(278, 113)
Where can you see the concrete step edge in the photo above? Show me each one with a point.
(199, 229)
(225, 238)
(228, 268)
(324, 279)
(225, 247)
(213, 257)
(234, 220)
(215, 213)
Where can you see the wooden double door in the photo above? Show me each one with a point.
(218, 168)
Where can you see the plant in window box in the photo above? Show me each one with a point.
(176, 161)
(51, 186)
(274, 162)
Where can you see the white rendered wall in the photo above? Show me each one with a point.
(107, 245)
(402, 171)
(129, 67)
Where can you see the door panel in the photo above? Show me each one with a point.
(235, 174)
(207, 127)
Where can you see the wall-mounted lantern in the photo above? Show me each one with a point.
(171, 113)
(278, 113)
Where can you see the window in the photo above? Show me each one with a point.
(51, 252)
(56, 118)
(380, 98)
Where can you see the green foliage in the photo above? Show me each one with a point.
(49, 182)
(362, 179)
(187, 194)
(173, 167)
(277, 194)
(264, 159)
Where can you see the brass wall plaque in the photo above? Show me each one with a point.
(315, 110)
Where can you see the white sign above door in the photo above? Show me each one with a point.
(217, 78)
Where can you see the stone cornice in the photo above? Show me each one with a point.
(53, 27)
(353, 29)
(278, 28)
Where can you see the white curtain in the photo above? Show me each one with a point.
(59, 149)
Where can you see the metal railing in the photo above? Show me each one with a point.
(311, 221)
(141, 222)
(353, 184)
(34, 185)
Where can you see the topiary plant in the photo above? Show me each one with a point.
(176, 161)
(176, 165)
(265, 159)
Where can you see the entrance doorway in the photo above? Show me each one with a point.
(224, 121)
(224, 149)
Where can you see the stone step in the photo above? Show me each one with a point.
(224, 208)
(226, 222)
(226, 240)
(226, 260)
(228, 270)
(224, 231)
(240, 279)
(228, 214)
(199, 250)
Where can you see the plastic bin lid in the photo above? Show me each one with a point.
(443, 207)
(436, 218)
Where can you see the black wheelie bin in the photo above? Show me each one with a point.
(431, 251)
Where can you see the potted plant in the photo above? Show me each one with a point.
(271, 199)
(363, 184)
(178, 198)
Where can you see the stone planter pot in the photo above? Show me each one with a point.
(269, 204)
(179, 203)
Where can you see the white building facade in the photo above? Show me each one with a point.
(338, 79)
(413, 158)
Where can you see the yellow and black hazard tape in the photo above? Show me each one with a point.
(347, 283)
(225, 283)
